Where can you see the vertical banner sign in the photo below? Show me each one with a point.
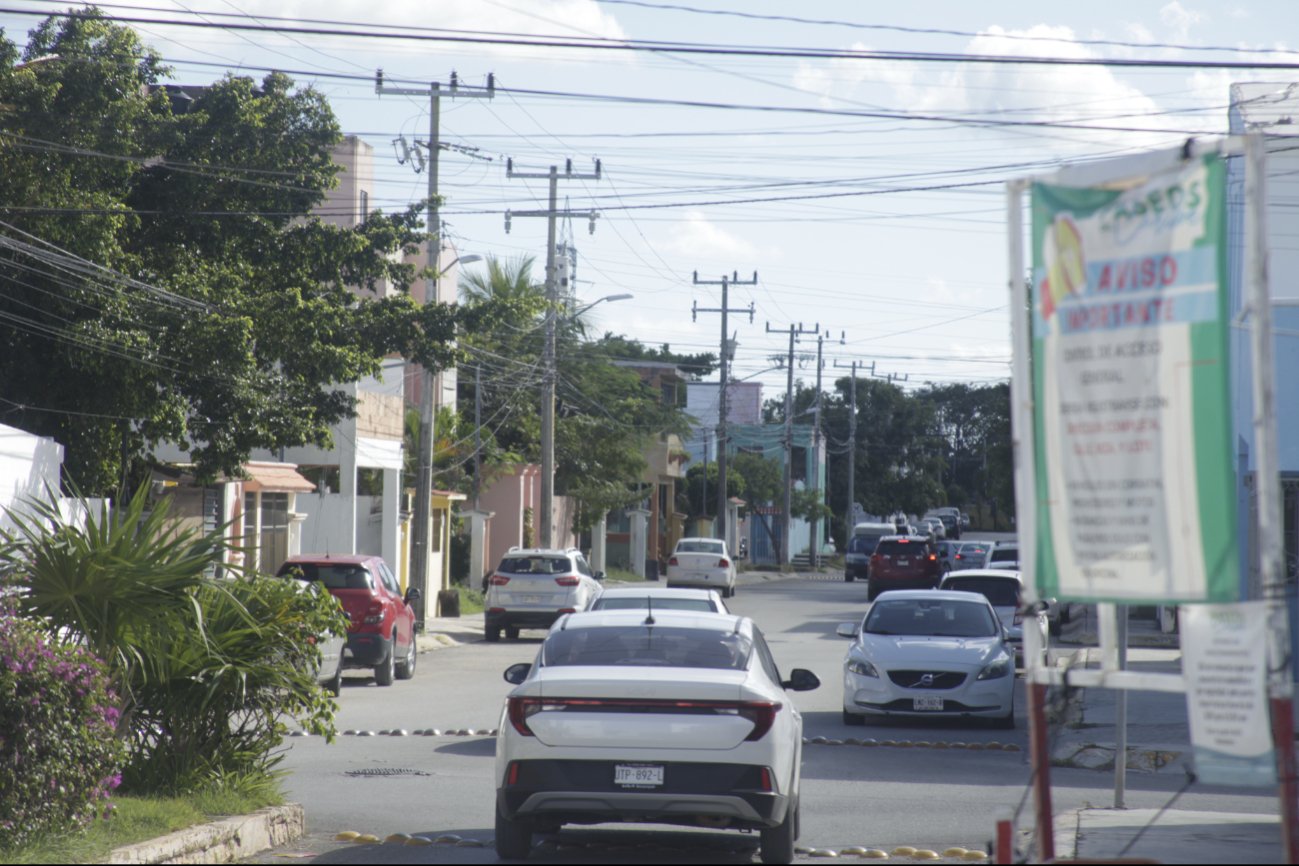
(1224, 658)
(1132, 425)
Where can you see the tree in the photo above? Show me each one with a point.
(164, 278)
(605, 416)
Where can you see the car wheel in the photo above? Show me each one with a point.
(513, 838)
(871, 591)
(492, 633)
(853, 720)
(335, 684)
(385, 672)
(406, 669)
(511, 632)
(778, 842)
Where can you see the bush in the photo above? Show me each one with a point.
(213, 692)
(59, 752)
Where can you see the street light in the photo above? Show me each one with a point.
(467, 259)
(548, 419)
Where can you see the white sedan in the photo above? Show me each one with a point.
(668, 717)
(638, 597)
(1004, 589)
(929, 653)
(702, 562)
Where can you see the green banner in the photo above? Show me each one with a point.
(1136, 489)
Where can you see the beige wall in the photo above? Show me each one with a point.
(379, 416)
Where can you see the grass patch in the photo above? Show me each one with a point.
(471, 601)
(622, 575)
(139, 819)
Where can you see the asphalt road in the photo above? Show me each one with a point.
(929, 789)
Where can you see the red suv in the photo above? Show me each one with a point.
(381, 631)
(903, 562)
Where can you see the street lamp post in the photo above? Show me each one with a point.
(548, 419)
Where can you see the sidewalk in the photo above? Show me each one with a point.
(441, 632)
(1158, 742)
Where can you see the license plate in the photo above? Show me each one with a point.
(903, 561)
(928, 703)
(532, 599)
(638, 775)
(698, 576)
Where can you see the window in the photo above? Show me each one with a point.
(640, 646)
(436, 541)
(266, 529)
(365, 207)
(618, 521)
(389, 579)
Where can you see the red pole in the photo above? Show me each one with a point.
(1005, 851)
(1038, 744)
(1283, 742)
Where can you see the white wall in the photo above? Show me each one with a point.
(28, 465)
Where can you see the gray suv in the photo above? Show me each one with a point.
(532, 588)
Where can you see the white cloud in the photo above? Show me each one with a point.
(1180, 20)
(697, 239)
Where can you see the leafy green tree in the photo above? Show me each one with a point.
(165, 280)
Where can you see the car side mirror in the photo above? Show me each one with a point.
(801, 680)
(516, 674)
(413, 594)
(846, 629)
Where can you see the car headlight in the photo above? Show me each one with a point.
(996, 670)
(862, 668)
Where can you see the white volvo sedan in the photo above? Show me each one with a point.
(665, 717)
(929, 653)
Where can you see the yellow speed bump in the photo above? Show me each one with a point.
(447, 839)
(955, 853)
(975, 856)
(366, 839)
(346, 836)
(925, 854)
(875, 854)
(419, 841)
(903, 851)
(854, 851)
(397, 839)
(469, 843)
(823, 852)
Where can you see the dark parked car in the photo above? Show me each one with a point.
(904, 562)
(381, 629)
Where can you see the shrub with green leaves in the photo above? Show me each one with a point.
(60, 756)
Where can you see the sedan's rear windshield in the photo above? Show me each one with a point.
(715, 547)
(931, 618)
(535, 565)
(329, 575)
(642, 602)
(1001, 591)
(648, 646)
(1004, 554)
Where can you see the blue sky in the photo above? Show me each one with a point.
(867, 194)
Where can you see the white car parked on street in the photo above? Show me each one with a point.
(929, 653)
(668, 717)
(702, 562)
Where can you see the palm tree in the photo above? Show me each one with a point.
(509, 281)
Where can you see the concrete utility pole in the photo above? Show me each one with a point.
(551, 213)
(794, 332)
(852, 443)
(721, 527)
(816, 448)
(419, 555)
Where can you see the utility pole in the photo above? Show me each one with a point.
(816, 448)
(722, 402)
(552, 302)
(852, 443)
(419, 555)
(794, 333)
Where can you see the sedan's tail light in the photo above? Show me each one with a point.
(673, 561)
(933, 557)
(498, 580)
(761, 713)
(723, 563)
(374, 613)
(567, 581)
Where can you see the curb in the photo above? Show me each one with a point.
(223, 841)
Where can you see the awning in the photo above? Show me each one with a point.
(275, 478)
